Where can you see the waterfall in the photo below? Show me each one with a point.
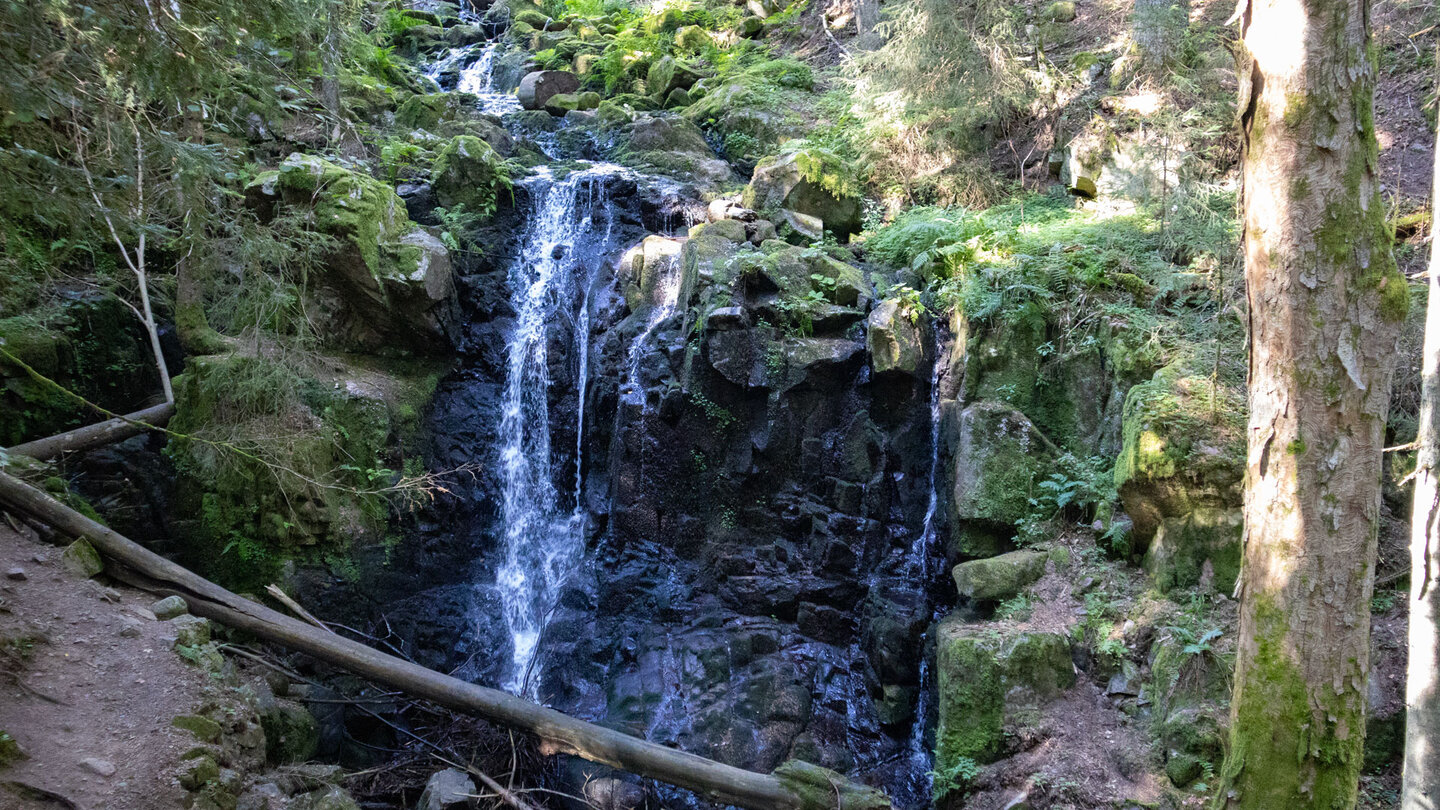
(918, 570)
(542, 542)
(476, 78)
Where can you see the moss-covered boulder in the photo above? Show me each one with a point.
(1179, 477)
(986, 680)
(539, 86)
(468, 172)
(898, 337)
(997, 457)
(291, 733)
(668, 74)
(807, 183)
(674, 147)
(308, 492)
(387, 283)
(995, 578)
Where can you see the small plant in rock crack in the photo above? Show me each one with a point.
(1017, 608)
(956, 778)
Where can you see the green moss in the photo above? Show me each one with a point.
(362, 212)
(1291, 744)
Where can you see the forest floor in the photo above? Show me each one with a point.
(88, 688)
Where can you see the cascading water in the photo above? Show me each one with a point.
(542, 542)
(477, 78)
(918, 569)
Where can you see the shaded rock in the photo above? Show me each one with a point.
(997, 578)
(169, 607)
(291, 732)
(447, 789)
(1179, 477)
(384, 284)
(17, 574)
(610, 793)
(538, 87)
(997, 457)
(667, 75)
(986, 680)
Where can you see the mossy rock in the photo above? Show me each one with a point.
(89, 343)
(986, 680)
(81, 559)
(668, 74)
(387, 284)
(10, 750)
(810, 182)
(1179, 475)
(291, 732)
(204, 729)
(897, 335)
(997, 459)
(998, 578)
(468, 172)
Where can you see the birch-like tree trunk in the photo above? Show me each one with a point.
(1325, 305)
(1421, 787)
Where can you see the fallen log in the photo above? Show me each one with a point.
(96, 435)
(793, 786)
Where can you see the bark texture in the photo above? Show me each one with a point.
(1421, 786)
(1325, 304)
(96, 435)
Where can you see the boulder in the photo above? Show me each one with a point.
(692, 38)
(779, 183)
(1060, 11)
(1179, 475)
(897, 336)
(169, 607)
(997, 456)
(987, 680)
(672, 146)
(750, 27)
(291, 732)
(463, 36)
(446, 790)
(537, 87)
(81, 559)
(996, 578)
(667, 74)
(467, 171)
(386, 283)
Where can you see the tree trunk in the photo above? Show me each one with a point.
(793, 786)
(96, 435)
(1325, 304)
(1421, 787)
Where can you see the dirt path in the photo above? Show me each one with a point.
(101, 654)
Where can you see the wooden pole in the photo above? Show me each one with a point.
(793, 786)
(96, 435)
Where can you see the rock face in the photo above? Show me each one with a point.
(537, 88)
(91, 331)
(779, 183)
(387, 282)
(1179, 477)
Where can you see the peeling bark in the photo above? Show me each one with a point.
(1326, 303)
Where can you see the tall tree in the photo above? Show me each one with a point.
(1325, 304)
(1421, 787)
